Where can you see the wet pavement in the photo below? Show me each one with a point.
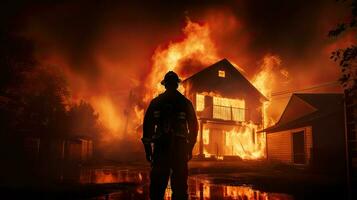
(200, 187)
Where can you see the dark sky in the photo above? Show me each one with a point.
(76, 31)
(105, 48)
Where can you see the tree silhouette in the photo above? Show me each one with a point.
(43, 97)
(347, 57)
(83, 120)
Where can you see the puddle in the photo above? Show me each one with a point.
(204, 190)
(112, 175)
(199, 188)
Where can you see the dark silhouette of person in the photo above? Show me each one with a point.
(169, 135)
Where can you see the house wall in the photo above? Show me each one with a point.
(216, 139)
(280, 145)
(253, 104)
(233, 85)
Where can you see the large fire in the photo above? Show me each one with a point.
(117, 57)
(242, 140)
(198, 48)
(121, 114)
(264, 81)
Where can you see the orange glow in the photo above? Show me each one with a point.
(200, 102)
(221, 73)
(244, 193)
(105, 177)
(265, 82)
(205, 133)
(228, 109)
(197, 46)
(108, 113)
(245, 143)
(242, 141)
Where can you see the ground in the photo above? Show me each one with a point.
(208, 180)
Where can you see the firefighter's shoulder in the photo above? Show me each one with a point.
(182, 96)
(185, 99)
(157, 99)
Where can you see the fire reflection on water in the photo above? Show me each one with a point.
(199, 188)
(112, 175)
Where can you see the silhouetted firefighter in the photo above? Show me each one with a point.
(169, 135)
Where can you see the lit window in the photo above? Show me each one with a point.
(228, 109)
(200, 102)
(221, 73)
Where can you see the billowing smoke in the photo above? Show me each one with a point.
(114, 54)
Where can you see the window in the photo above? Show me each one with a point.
(228, 109)
(221, 73)
(200, 102)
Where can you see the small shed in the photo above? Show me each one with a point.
(310, 132)
(57, 158)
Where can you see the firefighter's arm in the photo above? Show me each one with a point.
(148, 131)
(192, 126)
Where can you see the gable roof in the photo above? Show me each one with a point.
(320, 106)
(322, 102)
(227, 66)
(295, 108)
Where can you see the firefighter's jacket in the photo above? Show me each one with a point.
(170, 116)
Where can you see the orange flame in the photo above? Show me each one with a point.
(196, 46)
(265, 82)
(244, 142)
(108, 113)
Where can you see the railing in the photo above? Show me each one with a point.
(228, 113)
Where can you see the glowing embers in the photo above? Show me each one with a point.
(200, 102)
(228, 109)
(221, 73)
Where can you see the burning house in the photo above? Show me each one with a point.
(310, 132)
(229, 110)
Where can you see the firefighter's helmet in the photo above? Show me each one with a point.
(170, 77)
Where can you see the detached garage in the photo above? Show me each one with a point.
(309, 132)
(290, 146)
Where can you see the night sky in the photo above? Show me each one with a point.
(88, 39)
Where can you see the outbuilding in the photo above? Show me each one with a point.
(310, 132)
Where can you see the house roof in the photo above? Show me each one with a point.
(236, 74)
(317, 106)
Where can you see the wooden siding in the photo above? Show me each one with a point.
(308, 143)
(279, 145)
